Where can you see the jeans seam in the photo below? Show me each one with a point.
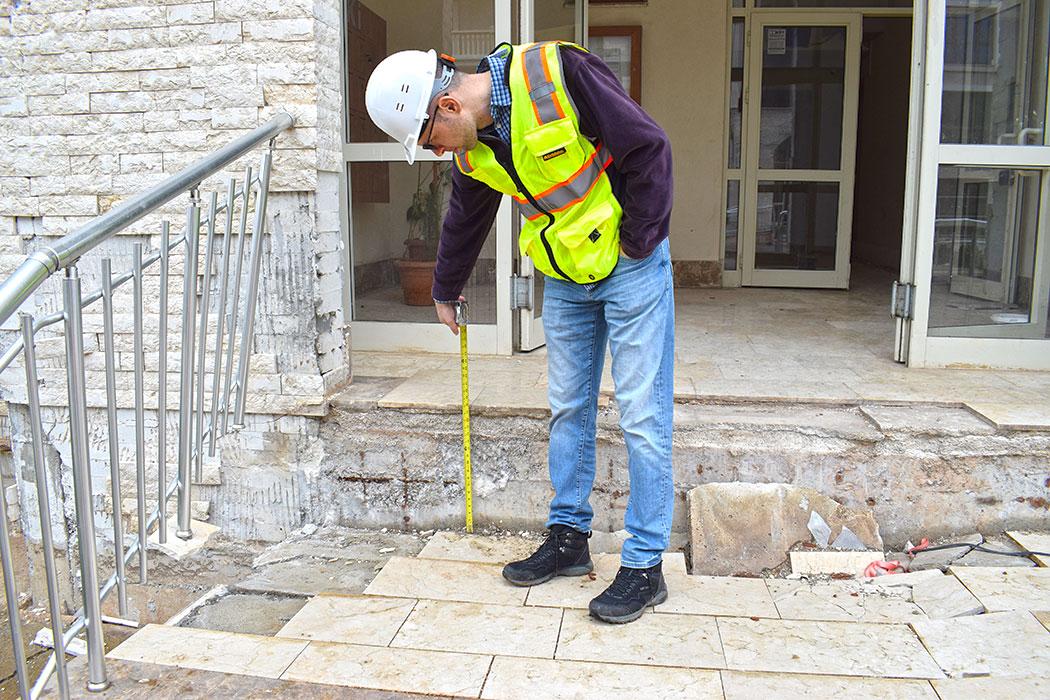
(585, 414)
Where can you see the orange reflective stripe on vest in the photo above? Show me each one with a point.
(573, 190)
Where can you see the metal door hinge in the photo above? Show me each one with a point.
(902, 300)
(521, 292)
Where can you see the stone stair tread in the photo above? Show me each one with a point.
(208, 650)
(444, 579)
(523, 677)
(349, 619)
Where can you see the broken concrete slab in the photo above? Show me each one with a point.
(249, 613)
(852, 563)
(943, 558)
(342, 543)
(307, 576)
(745, 528)
(977, 557)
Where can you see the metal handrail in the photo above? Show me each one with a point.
(193, 429)
(41, 264)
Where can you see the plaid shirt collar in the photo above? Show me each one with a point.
(499, 104)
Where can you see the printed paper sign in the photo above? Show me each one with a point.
(776, 41)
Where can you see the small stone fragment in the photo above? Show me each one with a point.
(847, 540)
(819, 528)
(309, 529)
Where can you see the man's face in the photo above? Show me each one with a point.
(449, 128)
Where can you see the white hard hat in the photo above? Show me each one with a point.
(399, 92)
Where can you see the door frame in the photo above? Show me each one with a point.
(844, 175)
(918, 346)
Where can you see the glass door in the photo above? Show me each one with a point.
(982, 248)
(394, 210)
(802, 125)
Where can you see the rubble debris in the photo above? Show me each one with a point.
(743, 528)
(819, 528)
(978, 557)
(847, 540)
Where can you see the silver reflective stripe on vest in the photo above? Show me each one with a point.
(464, 163)
(541, 90)
(573, 190)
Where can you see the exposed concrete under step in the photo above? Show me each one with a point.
(925, 470)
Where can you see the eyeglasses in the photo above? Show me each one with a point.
(428, 122)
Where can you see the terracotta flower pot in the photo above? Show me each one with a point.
(417, 278)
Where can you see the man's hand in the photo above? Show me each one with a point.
(446, 313)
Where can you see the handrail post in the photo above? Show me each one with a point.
(189, 308)
(78, 425)
(253, 286)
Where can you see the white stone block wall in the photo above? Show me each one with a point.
(100, 99)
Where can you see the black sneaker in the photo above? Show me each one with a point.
(630, 594)
(563, 553)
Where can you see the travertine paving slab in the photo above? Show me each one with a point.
(1001, 589)
(834, 648)
(992, 688)
(833, 562)
(944, 596)
(835, 600)
(207, 650)
(1028, 415)
(998, 644)
(403, 670)
(1033, 542)
(742, 685)
(463, 547)
(572, 680)
(718, 595)
(438, 579)
(658, 640)
(481, 629)
(349, 619)
(577, 591)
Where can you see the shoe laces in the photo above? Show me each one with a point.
(625, 581)
(557, 538)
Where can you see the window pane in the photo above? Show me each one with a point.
(833, 3)
(984, 247)
(732, 223)
(995, 68)
(384, 261)
(797, 225)
(736, 92)
(465, 29)
(803, 74)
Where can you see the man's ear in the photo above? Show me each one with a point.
(450, 104)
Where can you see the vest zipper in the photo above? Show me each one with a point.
(550, 222)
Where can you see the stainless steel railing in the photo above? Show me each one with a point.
(228, 390)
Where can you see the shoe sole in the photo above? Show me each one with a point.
(578, 570)
(659, 598)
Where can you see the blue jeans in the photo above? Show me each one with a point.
(632, 309)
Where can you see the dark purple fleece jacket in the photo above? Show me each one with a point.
(640, 174)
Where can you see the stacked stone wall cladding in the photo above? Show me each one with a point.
(101, 99)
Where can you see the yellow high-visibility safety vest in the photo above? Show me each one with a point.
(572, 218)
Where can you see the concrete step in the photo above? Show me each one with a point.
(403, 468)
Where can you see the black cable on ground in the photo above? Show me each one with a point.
(979, 548)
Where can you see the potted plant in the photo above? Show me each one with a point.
(416, 269)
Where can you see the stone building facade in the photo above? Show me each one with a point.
(100, 99)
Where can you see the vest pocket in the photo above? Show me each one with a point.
(556, 148)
